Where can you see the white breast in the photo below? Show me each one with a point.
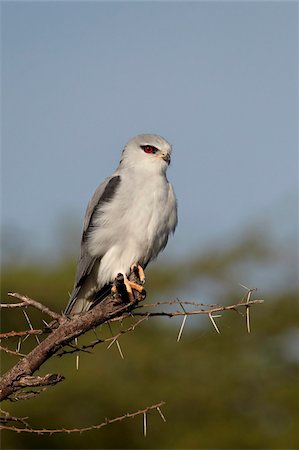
(134, 226)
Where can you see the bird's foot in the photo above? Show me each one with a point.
(124, 286)
(139, 272)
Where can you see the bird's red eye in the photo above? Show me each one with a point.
(149, 148)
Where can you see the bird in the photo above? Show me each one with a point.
(127, 223)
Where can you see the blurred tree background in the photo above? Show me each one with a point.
(220, 81)
(233, 390)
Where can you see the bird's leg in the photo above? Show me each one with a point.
(119, 287)
(129, 286)
(138, 270)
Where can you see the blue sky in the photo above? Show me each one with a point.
(216, 79)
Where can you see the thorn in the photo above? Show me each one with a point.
(248, 319)
(161, 414)
(247, 310)
(144, 424)
(214, 323)
(248, 296)
(245, 287)
(182, 327)
(115, 340)
(30, 325)
(19, 345)
(111, 343)
(181, 305)
(119, 349)
(26, 337)
(249, 292)
(77, 355)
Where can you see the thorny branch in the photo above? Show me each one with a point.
(106, 422)
(60, 338)
(20, 333)
(26, 301)
(62, 331)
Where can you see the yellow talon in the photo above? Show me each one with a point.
(128, 285)
(138, 269)
(141, 274)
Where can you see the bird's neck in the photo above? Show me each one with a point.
(143, 170)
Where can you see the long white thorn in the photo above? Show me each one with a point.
(30, 325)
(111, 343)
(117, 343)
(245, 287)
(247, 311)
(182, 328)
(248, 318)
(77, 356)
(119, 349)
(19, 345)
(161, 414)
(144, 424)
(214, 323)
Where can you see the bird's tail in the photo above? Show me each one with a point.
(80, 303)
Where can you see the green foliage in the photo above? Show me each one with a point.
(233, 390)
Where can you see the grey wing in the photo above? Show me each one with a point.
(86, 263)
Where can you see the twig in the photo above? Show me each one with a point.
(10, 334)
(6, 417)
(177, 302)
(200, 311)
(28, 301)
(87, 347)
(69, 328)
(12, 352)
(82, 430)
(46, 380)
(24, 395)
(13, 305)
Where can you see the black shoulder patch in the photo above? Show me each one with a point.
(109, 190)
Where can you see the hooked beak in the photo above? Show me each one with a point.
(166, 157)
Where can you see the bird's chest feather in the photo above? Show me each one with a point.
(137, 220)
(147, 211)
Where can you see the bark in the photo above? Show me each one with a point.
(67, 330)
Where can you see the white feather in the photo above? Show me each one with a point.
(133, 227)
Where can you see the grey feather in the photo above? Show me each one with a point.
(87, 264)
(128, 220)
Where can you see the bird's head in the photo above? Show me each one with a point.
(147, 150)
